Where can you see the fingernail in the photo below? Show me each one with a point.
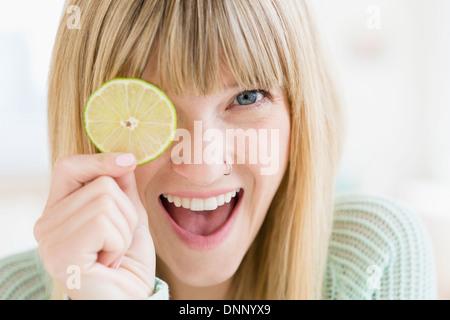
(125, 160)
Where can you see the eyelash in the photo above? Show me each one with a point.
(266, 95)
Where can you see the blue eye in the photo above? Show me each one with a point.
(248, 97)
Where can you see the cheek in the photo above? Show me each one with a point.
(147, 176)
(274, 156)
(143, 175)
(273, 147)
(274, 150)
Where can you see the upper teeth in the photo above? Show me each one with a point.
(196, 204)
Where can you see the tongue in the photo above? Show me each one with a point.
(200, 222)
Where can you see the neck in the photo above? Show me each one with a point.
(180, 290)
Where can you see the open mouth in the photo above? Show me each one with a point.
(201, 216)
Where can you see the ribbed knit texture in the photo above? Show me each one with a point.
(378, 250)
(22, 277)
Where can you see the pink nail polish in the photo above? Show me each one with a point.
(125, 160)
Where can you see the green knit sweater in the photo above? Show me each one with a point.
(378, 250)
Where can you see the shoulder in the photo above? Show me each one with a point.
(379, 249)
(22, 277)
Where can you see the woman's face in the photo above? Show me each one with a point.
(201, 227)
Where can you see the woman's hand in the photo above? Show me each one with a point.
(94, 224)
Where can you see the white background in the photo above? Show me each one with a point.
(392, 57)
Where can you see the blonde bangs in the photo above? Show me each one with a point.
(198, 40)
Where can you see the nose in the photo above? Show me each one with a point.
(200, 174)
(203, 160)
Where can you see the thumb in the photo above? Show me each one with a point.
(73, 172)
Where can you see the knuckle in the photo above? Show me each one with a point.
(101, 222)
(105, 203)
(107, 184)
(37, 229)
(61, 163)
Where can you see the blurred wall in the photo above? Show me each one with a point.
(393, 59)
(27, 32)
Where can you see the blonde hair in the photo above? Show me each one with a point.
(262, 43)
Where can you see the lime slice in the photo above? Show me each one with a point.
(130, 115)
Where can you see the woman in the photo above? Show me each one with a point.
(236, 64)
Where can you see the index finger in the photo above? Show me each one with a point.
(73, 172)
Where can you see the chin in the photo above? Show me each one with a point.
(207, 273)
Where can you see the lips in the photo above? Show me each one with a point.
(193, 217)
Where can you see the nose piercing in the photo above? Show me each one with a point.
(229, 168)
